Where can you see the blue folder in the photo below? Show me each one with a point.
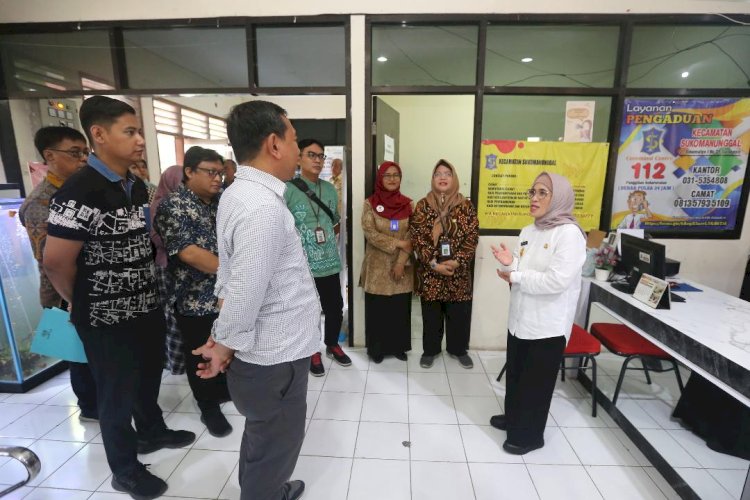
(56, 337)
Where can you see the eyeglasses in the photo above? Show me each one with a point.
(391, 176)
(542, 193)
(211, 172)
(78, 154)
(442, 174)
(312, 155)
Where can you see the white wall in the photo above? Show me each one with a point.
(84, 10)
(318, 107)
(357, 164)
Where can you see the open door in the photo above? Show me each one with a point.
(386, 127)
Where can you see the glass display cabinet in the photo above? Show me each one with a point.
(20, 311)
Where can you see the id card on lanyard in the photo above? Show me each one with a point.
(394, 225)
(320, 235)
(445, 247)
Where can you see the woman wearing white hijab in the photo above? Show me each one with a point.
(545, 276)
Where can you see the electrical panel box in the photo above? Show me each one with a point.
(59, 112)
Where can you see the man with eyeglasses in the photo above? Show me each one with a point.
(186, 222)
(64, 151)
(318, 228)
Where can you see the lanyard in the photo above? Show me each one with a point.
(312, 204)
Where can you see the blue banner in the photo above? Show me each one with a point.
(681, 164)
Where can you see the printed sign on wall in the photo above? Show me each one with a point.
(681, 164)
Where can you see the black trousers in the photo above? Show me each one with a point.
(81, 379)
(387, 323)
(715, 416)
(273, 400)
(126, 360)
(437, 317)
(329, 290)
(84, 387)
(195, 330)
(531, 373)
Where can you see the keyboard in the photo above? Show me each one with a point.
(623, 286)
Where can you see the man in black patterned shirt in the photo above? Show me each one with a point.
(98, 256)
(186, 222)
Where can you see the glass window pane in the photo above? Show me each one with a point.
(301, 56)
(542, 117)
(424, 55)
(56, 61)
(551, 56)
(186, 58)
(690, 57)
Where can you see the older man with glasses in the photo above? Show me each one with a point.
(186, 222)
(65, 152)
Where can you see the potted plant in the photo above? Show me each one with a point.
(604, 260)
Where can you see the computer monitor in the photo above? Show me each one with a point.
(641, 256)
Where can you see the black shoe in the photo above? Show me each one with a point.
(165, 439)
(294, 489)
(401, 356)
(216, 422)
(377, 359)
(88, 416)
(426, 361)
(316, 366)
(499, 422)
(139, 483)
(464, 360)
(521, 450)
(338, 355)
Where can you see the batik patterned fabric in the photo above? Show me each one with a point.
(323, 257)
(463, 235)
(115, 281)
(33, 215)
(183, 219)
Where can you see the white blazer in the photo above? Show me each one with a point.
(546, 278)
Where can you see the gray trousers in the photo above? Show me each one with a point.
(273, 400)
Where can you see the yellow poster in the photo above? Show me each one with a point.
(509, 167)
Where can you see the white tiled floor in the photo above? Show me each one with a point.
(392, 431)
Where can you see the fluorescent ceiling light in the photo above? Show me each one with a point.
(685, 74)
(527, 59)
(382, 59)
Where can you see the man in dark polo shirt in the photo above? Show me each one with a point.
(98, 256)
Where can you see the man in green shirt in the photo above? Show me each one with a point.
(319, 230)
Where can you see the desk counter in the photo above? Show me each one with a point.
(709, 332)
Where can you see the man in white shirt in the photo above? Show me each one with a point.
(269, 322)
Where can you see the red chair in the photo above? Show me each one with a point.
(584, 347)
(624, 341)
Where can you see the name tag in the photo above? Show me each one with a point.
(445, 248)
(320, 235)
(394, 225)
